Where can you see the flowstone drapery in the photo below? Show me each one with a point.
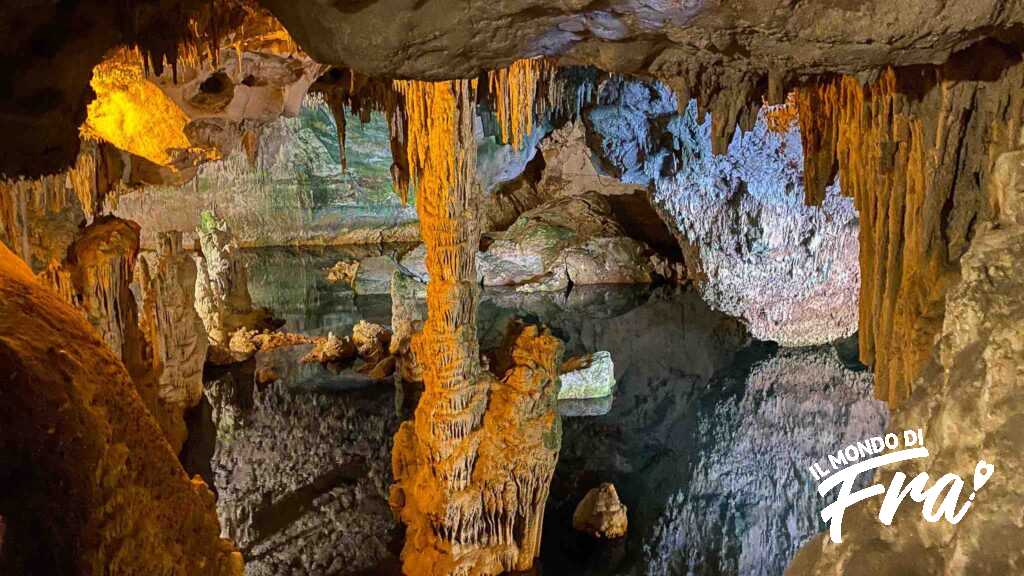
(472, 469)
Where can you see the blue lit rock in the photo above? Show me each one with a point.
(588, 377)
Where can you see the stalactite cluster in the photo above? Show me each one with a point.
(473, 466)
(514, 93)
(915, 149)
(88, 184)
(345, 88)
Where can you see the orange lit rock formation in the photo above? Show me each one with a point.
(472, 469)
(915, 149)
(90, 485)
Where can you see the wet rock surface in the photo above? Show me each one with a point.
(302, 474)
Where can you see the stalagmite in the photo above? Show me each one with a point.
(222, 289)
(174, 330)
(472, 469)
(915, 149)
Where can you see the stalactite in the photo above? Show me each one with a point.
(514, 92)
(783, 117)
(345, 88)
(915, 149)
(90, 183)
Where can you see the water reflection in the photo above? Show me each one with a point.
(705, 440)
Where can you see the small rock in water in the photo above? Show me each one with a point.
(601, 514)
(373, 275)
(590, 376)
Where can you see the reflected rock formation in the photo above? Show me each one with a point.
(302, 475)
(749, 503)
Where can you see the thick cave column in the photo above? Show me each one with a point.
(473, 467)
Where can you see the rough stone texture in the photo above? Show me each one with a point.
(572, 238)
(601, 514)
(969, 408)
(472, 469)
(407, 316)
(222, 289)
(916, 150)
(96, 277)
(330, 349)
(758, 252)
(90, 485)
(749, 504)
(41, 217)
(294, 192)
(587, 377)
(174, 330)
(302, 476)
(373, 276)
(390, 38)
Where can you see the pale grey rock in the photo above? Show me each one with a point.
(749, 503)
(573, 239)
(587, 377)
(791, 271)
(619, 260)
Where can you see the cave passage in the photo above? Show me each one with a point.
(385, 287)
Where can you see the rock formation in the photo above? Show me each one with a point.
(96, 277)
(748, 505)
(174, 330)
(90, 485)
(40, 218)
(222, 289)
(966, 403)
(407, 318)
(302, 478)
(472, 468)
(590, 376)
(916, 150)
(601, 514)
(754, 248)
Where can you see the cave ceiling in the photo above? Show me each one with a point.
(728, 51)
